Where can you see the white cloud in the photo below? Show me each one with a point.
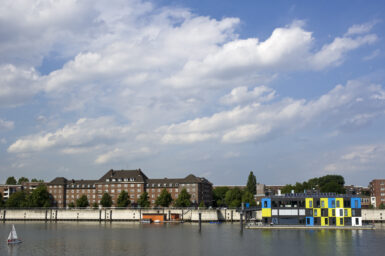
(17, 85)
(119, 154)
(358, 158)
(84, 133)
(6, 125)
(240, 95)
(358, 29)
(256, 122)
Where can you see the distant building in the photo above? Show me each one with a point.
(377, 190)
(8, 190)
(134, 182)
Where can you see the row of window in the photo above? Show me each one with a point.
(120, 179)
(119, 185)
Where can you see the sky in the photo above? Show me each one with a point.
(290, 90)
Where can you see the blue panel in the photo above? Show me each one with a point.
(355, 202)
(309, 221)
(266, 203)
(332, 203)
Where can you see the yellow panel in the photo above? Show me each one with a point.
(316, 212)
(339, 219)
(331, 212)
(349, 212)
(324, 202)
(309, 203)
(324, 221)
(340, 204)
(266, 212)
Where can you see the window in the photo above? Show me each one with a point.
(125, 179)
(310, 204)
(333, 204)
(107, 180)
(119, 185)
(341, 213)
(176, 190)
(158, 189)
(346, 212)
(126, 185)
(338, 204)
(170, 184)
(333, 212)
(139, 190)
(112, 190)
(308, 221)
(113, 179)
(341, 221)
(357, 221)
(326, 221)
(132, 190)
(176, 195)
(356, 203)
(265, 204)
(138, 185)
(113, 185)
(132, 185)
(138, 196)
(315, 212)
(119, 190)
(152, 196)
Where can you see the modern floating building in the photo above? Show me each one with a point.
(321, 209)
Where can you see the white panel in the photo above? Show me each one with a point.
(354, 219)
(274, 212)
(288, 212)
(302, 212)
(338, 212)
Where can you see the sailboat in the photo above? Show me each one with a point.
(12, 238)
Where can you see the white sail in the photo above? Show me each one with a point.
(13, 232)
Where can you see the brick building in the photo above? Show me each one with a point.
(377, 190)
(134, 182)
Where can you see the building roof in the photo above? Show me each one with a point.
(58, 181)
(135, 175)
(187, 180)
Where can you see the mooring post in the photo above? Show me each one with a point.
(200, 221)
(231, 216)
(241, 221)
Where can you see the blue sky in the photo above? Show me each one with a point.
(288, 90)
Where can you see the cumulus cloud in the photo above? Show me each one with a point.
(240, 95)
(358, 158)
(84, 133)
(255, 121)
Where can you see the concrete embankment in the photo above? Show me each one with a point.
(117, 214)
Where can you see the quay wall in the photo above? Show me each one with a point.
(226, 215)
(117, 214)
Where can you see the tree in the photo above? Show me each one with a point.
(106, 200)
(82, 202)
(219, 194)
(247, 197)
(11, 181)
(202, 205)
(251, 185)
(233, 197)
(17, 199)
(381, 206)
(164, 199)
(95, 205)
(1, 200)
(123, 199)
(22, 180)
(71, 205)
(183, 199)
(143, 200)
(39, 197)
(36, 180)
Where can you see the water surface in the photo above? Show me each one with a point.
(120, 238)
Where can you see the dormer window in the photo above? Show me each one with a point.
(158, 184)
(113, 179)
(176, 184)
(165, 184)
(170, 185)
(107, 180)
(125, 179)
(152, 185)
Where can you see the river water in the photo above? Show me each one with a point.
(120, 238)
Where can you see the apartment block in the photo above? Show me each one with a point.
(377, 192)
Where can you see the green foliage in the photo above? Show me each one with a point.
(95, 205)
(143, 200)
(1, 200)
(17, 199)
(71, 205)
(123, 199)
(82, 201)
(247, 197)
(36, 180)
(106, 200)
(164, 199)
(371, 207)
(183, 199)
(39, 197)
(381, 206)
(233, 197)
(328, 183)
(251, 185)
(202, 205)
(11, 181)
(22, 180)
(219, 194)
